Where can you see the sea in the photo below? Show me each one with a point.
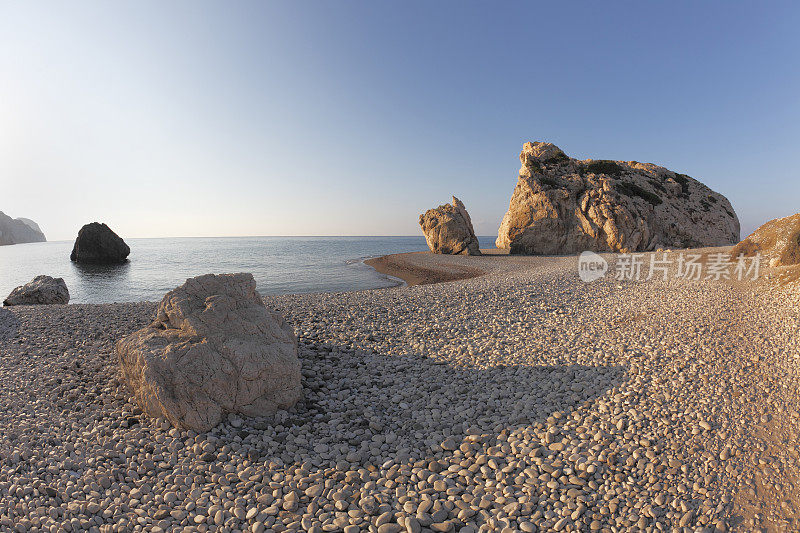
(280, 265)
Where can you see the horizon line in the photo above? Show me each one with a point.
(254, 237)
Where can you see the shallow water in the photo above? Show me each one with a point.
(280, 265)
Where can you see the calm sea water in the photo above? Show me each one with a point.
(280, 265)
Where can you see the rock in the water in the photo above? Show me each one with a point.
(96, 243)
(19, 230)
(563, 205)
(213, 349)
(448, 230)
(778, 242)
(42, 290)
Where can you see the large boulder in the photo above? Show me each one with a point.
(19, 230)
(448, 230)
(563, 205)
(96, 243)
(42, 290)
(213, 349)
(778, 242)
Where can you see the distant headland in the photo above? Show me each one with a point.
(19, 230)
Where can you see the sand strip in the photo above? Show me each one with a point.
(404, 267)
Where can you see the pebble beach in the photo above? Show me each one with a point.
(519, 399)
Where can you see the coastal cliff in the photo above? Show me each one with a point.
(19, 230)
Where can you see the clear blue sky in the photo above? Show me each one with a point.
(324, 118)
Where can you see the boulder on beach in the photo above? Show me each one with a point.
(19, 230)
(97, 243)
(41, 290)
(448, 230)
(213, 349)
(563, 205)
(778, 242)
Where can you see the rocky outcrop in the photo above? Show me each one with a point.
(19, 230)
(448, 230)
(213, 349)
(96, 243)
(563, 205)
(778, 242)
(31, 224)
(42, 290)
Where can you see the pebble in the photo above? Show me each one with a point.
(523, 400)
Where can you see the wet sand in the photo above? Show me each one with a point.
(410, 269)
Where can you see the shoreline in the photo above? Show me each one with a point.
(526, 365)
(399, 266)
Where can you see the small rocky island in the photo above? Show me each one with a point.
(19, 230)
(563, 205)
(98, 244)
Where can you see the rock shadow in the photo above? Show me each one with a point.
(374, 427)
(367, 408)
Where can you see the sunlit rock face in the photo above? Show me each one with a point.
(778, 242)
(563, 205)
(448, 230)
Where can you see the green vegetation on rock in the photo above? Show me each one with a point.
(605, 166)
(560, 157)
(631, 189)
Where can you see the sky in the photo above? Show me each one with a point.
(191, 118)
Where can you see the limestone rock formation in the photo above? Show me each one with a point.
(42, 290)
(19, 230)
(448, 230)
(213, 349)
(563, 205)
(96, 243)
(778, 242)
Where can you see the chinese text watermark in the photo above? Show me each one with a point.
(689, 266)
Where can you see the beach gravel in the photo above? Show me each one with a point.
(520, 400)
